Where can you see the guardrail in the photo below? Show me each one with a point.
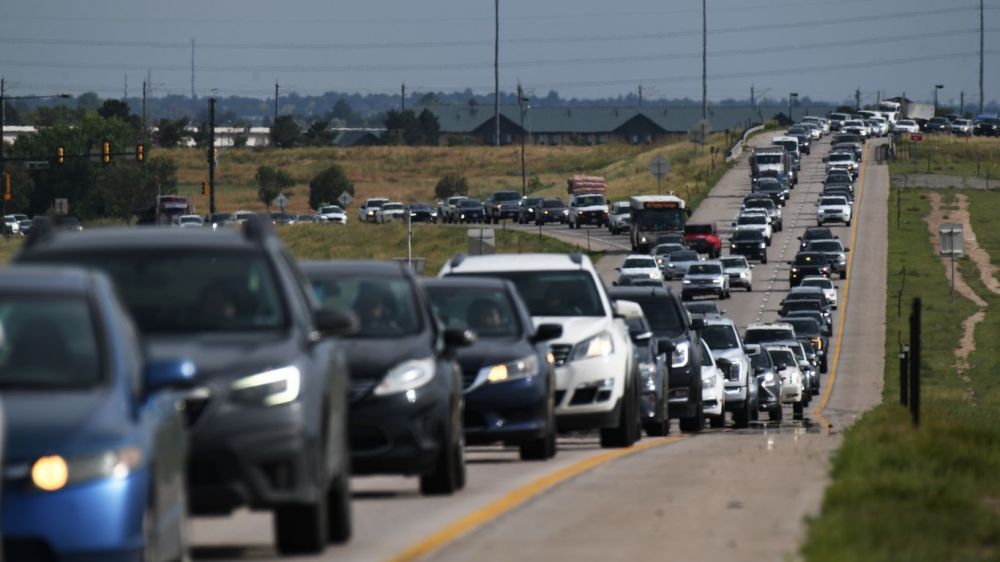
(737, 147)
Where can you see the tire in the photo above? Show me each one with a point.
(763, 259)
(301, 529)
(449, 473)
(843, 274)
(797, 409)
(627, 431)
(544, 447)
(776, 413)
(749, 288)
(657, 429)
(717, 422)
(338, 509)
(848, 224)
(695, 423)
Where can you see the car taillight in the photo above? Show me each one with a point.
(818, 343)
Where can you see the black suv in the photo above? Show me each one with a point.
(815, 233)
(406, 385)
(749, 243)
(553, 210)
(502, 205)
(671, 322)
(806, 264)
(530, 210)
(987, 128)
(268, 419)
(811, 330)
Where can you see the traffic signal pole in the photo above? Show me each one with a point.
(211, 155)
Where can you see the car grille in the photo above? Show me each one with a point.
(561, 353)
(359, 388)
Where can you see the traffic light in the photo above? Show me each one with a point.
(140, 153)
(106, 152)
(7, 195)
(204, 188)
(60, 155)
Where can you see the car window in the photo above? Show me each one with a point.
(553, 203)
(781, 357)
(48, 343)
(752, 219)
(760, 360)
(662, 314)
(506, 196)
(192, 290)
(703, 307)
(705, 269)
(734, 262)
(760, 335)
(487, 312)
(825, 246)
(720, 336)
(589, 200)
(684, 256)
(639, 263)
(748, 236)
(554, 293)
(385, 307)
(807, 327)
(821, 283)
(667, 249)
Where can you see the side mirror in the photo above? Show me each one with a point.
(751, 266)
(665, 347)
(800, 238)
(782, 366)
(759, 371)
(847, 250)
(331, 322)
(168, 373)
(455, 338)
(640, 337)
(547, 332)
(618, 269)
(698, 323)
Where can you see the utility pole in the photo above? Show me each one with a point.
(402, 98)
(790, 96)
(936, 88)
(704, 67)
(496, 69)
(520, 106)
(193, 96)
(144, 86)
(275, 122)
(211, 155)
(981, 30)
(640, 95)
(857, 99)
(878, 98)
(125, 99)
(752, 104)
(961, 103)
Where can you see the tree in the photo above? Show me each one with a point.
(429, 127)
(451, 184)
(200, 136)
(318, 134)
(88, 101)
(405, 127)
(171, 133)
(271, 183)
(114, 108)
(124, 186)
(328, 185)
(342, 111)
(285, 132)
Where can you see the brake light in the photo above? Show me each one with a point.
(818, 342)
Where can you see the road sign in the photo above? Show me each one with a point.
(280, 201)
(37, 164)
(659, 167)
(952, 240)
(916, 137)
(345, 199)
(62, 206)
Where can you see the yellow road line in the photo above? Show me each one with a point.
(832, 376)
(518, 497)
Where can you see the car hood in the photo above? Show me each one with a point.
(228, 356)
(575, 328)
(639, 270)
(740, 270)
(84, 422)
(834, 207)
(732, 355)
(372, 358)
(589, 208)
(488, 352)
(703, 276)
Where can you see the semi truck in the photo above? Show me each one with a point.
(770, 161)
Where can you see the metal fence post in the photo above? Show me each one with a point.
(915, 362)
(904, 367)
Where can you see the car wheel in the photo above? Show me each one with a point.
(797, 409)
(741, 417)
(717, 422)
(626, 433)
(301, 529)
(775, 413)
(749, 287)
(339, 510)
(843, 274)
(542, 448)
(763, 259)
(695, 423)
(449, 473)
(848, 224)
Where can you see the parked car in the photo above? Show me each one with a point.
(508, 383)
(403, 367)
(232, 301)
(95, 447)
(596, 375)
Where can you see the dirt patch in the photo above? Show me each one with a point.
(934, 220)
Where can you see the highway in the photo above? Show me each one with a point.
(722, 494)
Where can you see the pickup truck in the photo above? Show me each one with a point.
(704, 239)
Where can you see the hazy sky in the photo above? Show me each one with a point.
(583, 48)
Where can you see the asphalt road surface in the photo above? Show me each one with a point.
(723, 494)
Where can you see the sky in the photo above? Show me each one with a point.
(824, 49)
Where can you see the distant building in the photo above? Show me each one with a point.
(595, 125)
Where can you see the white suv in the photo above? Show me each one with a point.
(596, 381)
(368, 211)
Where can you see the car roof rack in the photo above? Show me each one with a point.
(42, 229)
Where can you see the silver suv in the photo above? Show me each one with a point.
(620, 217)
(706, 277)
(731, 356)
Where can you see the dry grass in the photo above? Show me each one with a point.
(410, 173)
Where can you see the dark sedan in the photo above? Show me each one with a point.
(553, 210)
(773, 188)
(470, 210)
(507, 379)
(95, 446)
(406, 385)
(987, 128)
(422, 212)
(529, 210)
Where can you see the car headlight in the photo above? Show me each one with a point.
(655, 275)
(795, 270)
(686, 281)
(709, 380)
(732, 246)
(659, 261)
(717, 281)
(681, 355)
(463, 216)
(647, 370)
(371, 213)
(768, 378)
(519, 369)
(763, 245)
(408, 375)
(600, 345)
(270, 388)
(52, 473)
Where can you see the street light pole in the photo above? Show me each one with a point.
(790, 96)
(936, 88)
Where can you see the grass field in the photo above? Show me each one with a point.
(927, 494)
(948, 155)
(410, 173)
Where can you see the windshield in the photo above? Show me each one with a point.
(833, 201)
(805, 304)
(662, 314)
(487, 312)
(822, 283)
(703, 307)
(806, 327)
(760, 203)
(331, 209)
(760, 360)
(553, 203)
(419, 207)
(532, 202)
(825, 246)
(190, 220)
(839, 157)
(720, 336)
(769, 159)
(748, 236)
(385, 307)
(47, 342)
(635, 263)
(705, 269)
(667, 249)
(507, 196)
(698, 229)
(684, 256)
(810, 259)
(906, 122)
(817, 234)
(735, 262)
(555, 293)
(752, 219)
(761, 335)
(376, 203)
(769, 186)
(658, 219)
(782, 357)
(189, 291)
(589, 200)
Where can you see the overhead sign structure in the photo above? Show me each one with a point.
(659, 167)
(345, 199)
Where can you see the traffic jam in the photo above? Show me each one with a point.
(199, 371)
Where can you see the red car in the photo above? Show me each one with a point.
(704, 239)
